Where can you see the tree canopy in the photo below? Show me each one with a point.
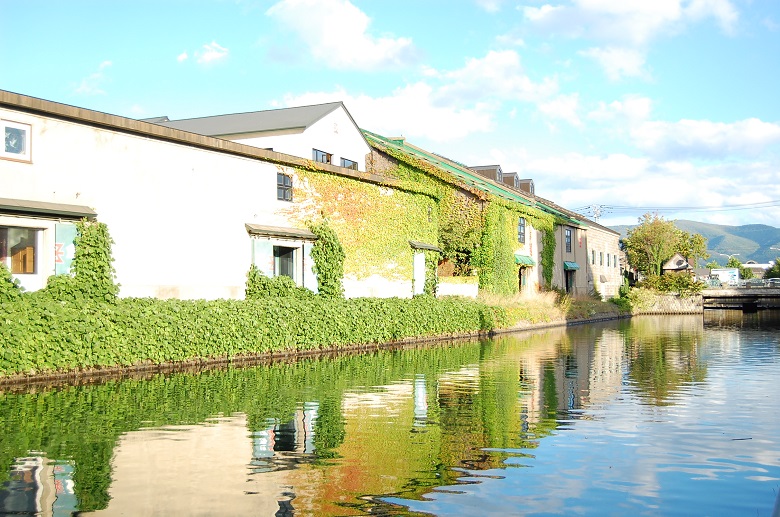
(774, 271)
(655, 240)
(744, 272)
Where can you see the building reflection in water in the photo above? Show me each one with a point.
(38, 486)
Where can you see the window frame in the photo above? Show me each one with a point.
(285, 257)
(521, 230)
(321, 156)
(568, 239)
(25, 261)
(284, 187)
(349, 164)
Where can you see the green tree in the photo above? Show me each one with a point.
(713, 264)
(744, 272)
(693, 247)
(651, 243)
(774, 271)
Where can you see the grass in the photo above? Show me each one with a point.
(549, 307)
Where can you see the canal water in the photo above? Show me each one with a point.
(650, 416)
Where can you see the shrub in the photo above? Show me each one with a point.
(9, 286)
(674, 282)
(150, 331)
(259, 286)
(328, 256)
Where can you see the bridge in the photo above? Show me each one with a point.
(747, 299)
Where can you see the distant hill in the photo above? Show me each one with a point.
(747, 242)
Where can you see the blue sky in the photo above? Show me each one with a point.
(626, 105)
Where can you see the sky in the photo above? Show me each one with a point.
(615, 108)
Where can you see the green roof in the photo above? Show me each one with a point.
(570, 266)
(464, 174)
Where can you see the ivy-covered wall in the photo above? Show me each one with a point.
(374, 223)
(495, 259)
(420, 201)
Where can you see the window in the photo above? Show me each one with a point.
(521, 230)
(284, 261)
(614, 261)
(601, 258)
(568, 240)
(18, 249)
(349, 164)
(607, 259)
(283, 187)
(16, 144)
(593, 257)
(321, 156)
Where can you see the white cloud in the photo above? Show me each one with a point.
(93, 83)
(410, 111)
(632, 110)
(491, 6)
(211, 52)
(562, 107)
(450, 105)
(722, 10)
(618, 62)
(499, 74)
(337, 34)
(619, 181)
(182, 57)
(706, 139)
(629, 22)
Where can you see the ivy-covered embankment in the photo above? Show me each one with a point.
(40, 335)
(79, 323)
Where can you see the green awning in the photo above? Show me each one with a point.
(524, 260)
(570, 266)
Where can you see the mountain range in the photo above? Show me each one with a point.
(758, 242)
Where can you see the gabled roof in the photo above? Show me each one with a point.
(470, 177)
(300, 117)
(676, 263)
(460, 171)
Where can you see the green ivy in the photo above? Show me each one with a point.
(328, 256)
(373, 223)
(92, 271)
(259, 286)
(548, 256)
(431, 272)
(10, 289)
(41, 335)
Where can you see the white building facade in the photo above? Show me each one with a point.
(188, 213)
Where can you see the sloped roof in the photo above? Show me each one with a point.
(676, 263)
(470, 177)
(460, 171)
(300, 117)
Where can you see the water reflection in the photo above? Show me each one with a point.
(653, 415)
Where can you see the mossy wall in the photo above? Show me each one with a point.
(374, 223)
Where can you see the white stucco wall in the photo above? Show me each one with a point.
(334, 133)
(176, 212)
(604, 274)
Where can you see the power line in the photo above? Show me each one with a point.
(600, 210)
